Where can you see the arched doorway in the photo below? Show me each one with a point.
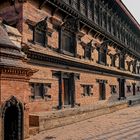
(13, 120)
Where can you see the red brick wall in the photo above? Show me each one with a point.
(11, 86)
(44, 74)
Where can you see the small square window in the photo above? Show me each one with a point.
(40, 90)
(87, 90)
(113, 89)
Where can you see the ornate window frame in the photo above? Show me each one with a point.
(45, 93)
(87, 90)
(41, 28)
(71, 28)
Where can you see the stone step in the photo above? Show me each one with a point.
(134, 101)
(33, 130)
(49, 120)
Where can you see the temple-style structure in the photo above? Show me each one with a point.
(63, 57)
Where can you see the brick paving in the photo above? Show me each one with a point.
(120, 125)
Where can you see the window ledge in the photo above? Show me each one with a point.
(67, 53)
(39, 98)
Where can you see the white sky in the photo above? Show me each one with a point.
(134, 8)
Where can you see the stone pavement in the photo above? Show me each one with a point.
(120, 125)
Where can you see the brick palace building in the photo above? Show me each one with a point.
(62, 55)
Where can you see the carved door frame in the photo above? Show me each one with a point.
(10, 103)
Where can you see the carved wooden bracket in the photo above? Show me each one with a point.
(55, 21)
(80, 34)
(50, 31)
(71, 24)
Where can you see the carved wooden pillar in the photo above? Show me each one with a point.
(60, 90)
(60, 39)
(134, 66)
(134, 88)
(59, 75)
(72, 90)
(74, 77)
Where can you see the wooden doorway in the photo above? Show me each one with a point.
(102, 91)
(121, 89)
(13, 120)
(67, 91)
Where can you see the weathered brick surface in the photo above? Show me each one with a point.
(21, 89)
(45, 74)
(64, 117)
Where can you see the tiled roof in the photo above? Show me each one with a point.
(125, 9)
(4, 39)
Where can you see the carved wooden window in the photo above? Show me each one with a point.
(114, 28)
(75, 4)
(104, 21)
(87, 90)
(96, 15)
(88, 49)
(102, 54)
(129, 65)
(83, 7)
(113, 89)
(122, 61)
(113, 60)
(87, 53)
(39, 34)
(123, 35)
(91, 10)
(118, 28)
(121, 31)
(40, 90)
(37, 90)
(68, 41)
(117, 31)
(109, 24)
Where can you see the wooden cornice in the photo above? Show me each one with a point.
(22, 72)
(55, 61)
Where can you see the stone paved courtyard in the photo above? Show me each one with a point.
(121, 125)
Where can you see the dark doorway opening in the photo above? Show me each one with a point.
(66, 96)
(134, 88)
(13, 121)
(67, 91)
(102, 91)
(121, 89)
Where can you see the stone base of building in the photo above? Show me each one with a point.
(133, 100)
(41, 121)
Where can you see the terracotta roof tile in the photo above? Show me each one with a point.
(4, 38)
